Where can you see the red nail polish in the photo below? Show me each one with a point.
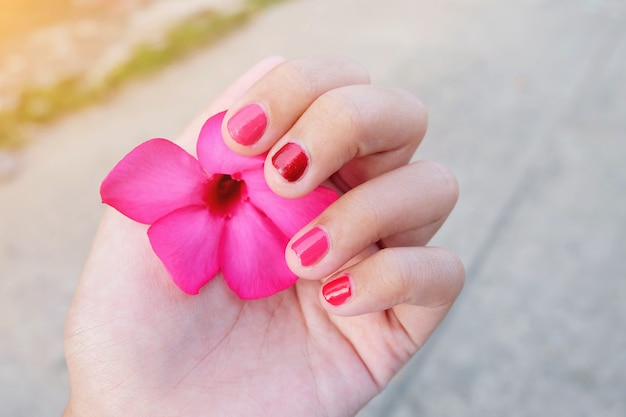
(337, 292)
(248, 124)
(311, 246)
(290, 161)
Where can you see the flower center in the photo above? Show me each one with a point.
(222, 193)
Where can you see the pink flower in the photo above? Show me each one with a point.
(214, 213)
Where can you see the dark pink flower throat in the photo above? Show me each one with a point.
(222, 192)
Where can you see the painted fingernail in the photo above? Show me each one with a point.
(290, 162)
(337, 291)
(311, 246)
(248, 124)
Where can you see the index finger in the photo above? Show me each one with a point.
(271, 106)
(188, 137)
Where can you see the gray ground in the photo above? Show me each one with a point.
(526, 100)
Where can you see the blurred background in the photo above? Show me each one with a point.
(527, 106)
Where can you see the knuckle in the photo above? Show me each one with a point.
(445, 181)
(293, 73)
(339, 64)
(397, 274)
(369, 213)
(433, 278)
(340, 111)
(417, 111)
(312, 76)
(359, 71)
(448, 272)
(354, 212)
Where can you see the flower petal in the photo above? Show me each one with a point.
(253, 255)
(216, 157)
(187, 242)
(155, 178)
(289, 214)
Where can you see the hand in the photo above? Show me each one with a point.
(369, 298)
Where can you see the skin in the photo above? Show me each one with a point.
(137, 346)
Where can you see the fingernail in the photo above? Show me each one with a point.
(290, 162)
(337, 292)
(311, 246)
(248, 124)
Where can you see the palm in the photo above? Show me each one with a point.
(147, 347)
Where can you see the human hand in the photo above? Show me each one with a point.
(136, 345)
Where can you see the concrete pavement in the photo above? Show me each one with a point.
(526, 102)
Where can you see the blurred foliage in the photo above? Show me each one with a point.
(11, 135)
(44, 104)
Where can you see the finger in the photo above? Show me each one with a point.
(409, 198)
(273, 104)
(360, 131)
(243, 84)
(416, 237)
(425, 276)
(189, 136)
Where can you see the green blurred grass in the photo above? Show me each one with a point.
(44, 104)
